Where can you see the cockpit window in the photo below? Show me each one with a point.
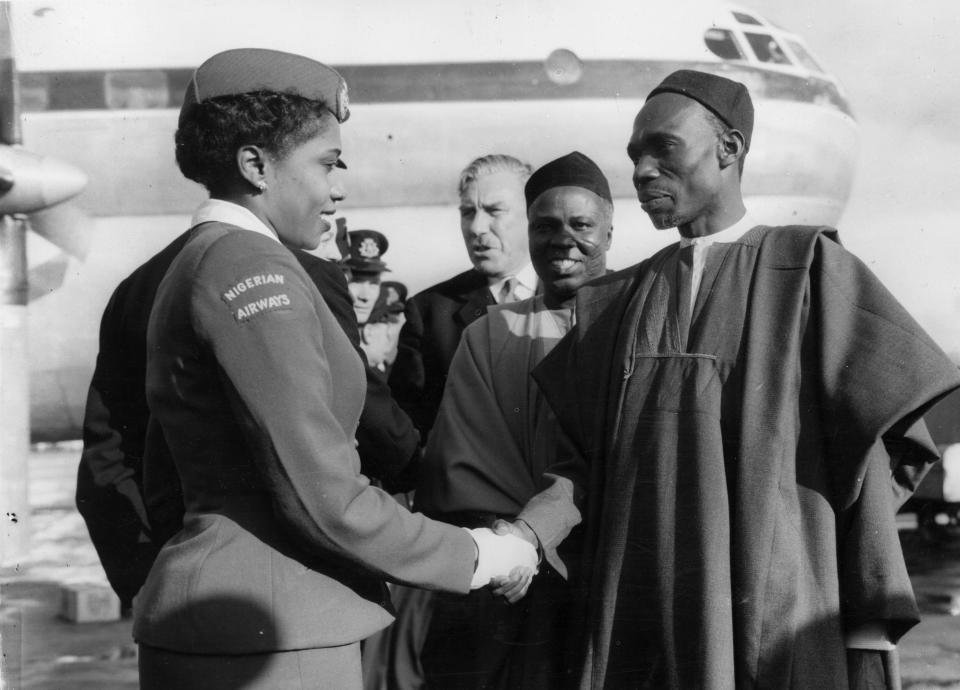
(766, 48)
(805, 58)
(723, 44)
(744, 18)
(136, 89)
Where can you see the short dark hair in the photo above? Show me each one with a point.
(212, 131)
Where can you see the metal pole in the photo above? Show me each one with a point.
(14, 393)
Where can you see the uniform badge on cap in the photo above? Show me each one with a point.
(367, 248)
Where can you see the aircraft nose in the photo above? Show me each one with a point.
(37, 181)
(59, 181)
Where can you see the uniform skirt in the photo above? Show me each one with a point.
(328, 668)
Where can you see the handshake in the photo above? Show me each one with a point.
(506, 559)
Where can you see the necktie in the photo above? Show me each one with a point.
(684, 291)
(507, 294)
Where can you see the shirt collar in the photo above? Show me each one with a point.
(526, 277)
(725, 236)
(234, 214)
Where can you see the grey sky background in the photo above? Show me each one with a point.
(898, 63)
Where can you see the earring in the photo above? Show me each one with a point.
(262, 186)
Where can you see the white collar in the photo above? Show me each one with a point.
(234, 214)
(526, 276)
(725, 236)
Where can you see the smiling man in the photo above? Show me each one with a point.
(494, 436)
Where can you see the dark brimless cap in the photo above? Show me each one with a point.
(572, 170)
(727, 99)
(243, 70)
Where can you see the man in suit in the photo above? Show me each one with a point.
(109, 482)
(494, 226)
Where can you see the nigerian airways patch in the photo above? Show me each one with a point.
(257, 294)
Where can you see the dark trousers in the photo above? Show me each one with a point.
(470, 641)
(478, 641)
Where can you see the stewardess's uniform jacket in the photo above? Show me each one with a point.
(257, 392)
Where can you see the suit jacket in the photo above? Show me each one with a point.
(285, 543)
(436, 318)
(109, 480)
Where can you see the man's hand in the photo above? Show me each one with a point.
(520, 529)
(499, 556)
(514, 587)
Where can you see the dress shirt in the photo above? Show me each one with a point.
(701, 247)
(526, 285)
(232, 214)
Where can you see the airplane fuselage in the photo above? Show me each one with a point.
(414, 124)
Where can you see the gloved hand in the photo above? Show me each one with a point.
(498, 555)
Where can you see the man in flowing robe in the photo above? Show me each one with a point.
(494, 436)
(493, 225)
(742, 416)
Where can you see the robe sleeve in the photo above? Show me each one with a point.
(556, 509)
(473, 461)
(879, 373)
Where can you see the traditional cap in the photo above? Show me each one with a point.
(366, 248)
(256, 69)
(727, 99)
(572, 170)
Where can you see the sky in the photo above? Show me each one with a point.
(897, 61)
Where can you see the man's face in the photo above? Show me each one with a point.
(365, 289)
(676, 171)
(570, 234)
(494, 224)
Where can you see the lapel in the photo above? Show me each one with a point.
(474, 306)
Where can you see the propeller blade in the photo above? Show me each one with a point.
(47, 277)
(65, 226)
(9, 87)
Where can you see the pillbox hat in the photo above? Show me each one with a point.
(727, 99)
(243, 70)
(572, 170)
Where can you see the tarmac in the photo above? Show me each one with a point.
(44, 652)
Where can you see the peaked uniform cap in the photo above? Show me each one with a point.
(243, 70)
(727, 99)
(367, 248)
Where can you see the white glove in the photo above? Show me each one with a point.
(498, 554)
